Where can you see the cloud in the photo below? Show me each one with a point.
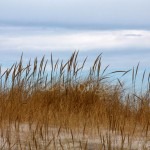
(86, 12)
(122, 49)
(48, 39)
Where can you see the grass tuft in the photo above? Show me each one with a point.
(59, 109)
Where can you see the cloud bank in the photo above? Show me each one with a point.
(61, 40)
(125, 13)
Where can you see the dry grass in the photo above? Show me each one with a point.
(61, 110)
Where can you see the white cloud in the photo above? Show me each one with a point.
(40, 39)
(86, 12)
(121, 49)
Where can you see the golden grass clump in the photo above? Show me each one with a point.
(59, 109)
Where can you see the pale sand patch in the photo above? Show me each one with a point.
(24, 136)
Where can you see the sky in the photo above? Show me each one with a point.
(77, 13)
(60, 40)
(121, 48)
(120, 29)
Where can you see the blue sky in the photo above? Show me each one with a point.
(77, 13)
(24, 27)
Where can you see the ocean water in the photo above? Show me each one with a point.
(121, 49)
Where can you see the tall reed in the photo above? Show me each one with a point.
(55, 95)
